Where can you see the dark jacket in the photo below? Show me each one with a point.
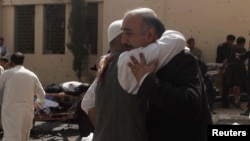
(178, 107)
(245, 56)
(221, 52)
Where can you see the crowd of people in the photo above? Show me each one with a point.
(233, 74)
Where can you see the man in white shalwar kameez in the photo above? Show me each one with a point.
(19, 86)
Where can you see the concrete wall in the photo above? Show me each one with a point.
(1, 18)
(208, 22)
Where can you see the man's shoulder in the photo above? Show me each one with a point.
(182, 59)
(172, 33)
(221, 45)
(29, 72)
(183, 56)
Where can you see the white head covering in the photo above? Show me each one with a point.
(114, 30)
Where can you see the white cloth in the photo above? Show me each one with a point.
(1, 69)
(49, 103)
(19, 87)
(170, 44)
(88, 100)
(164, 49)
(88, 138)
(71, 85)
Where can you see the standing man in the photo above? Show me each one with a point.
(235, 74)
(221, 54)
(18, 87)
(114, 39)
(120, 116)
(4, 64)
(177, 102)
(222, 48)
(4, 51)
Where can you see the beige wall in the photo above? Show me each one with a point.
(1, 18)
(207, 21)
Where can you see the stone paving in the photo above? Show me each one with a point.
(230, 115)
(54, 131)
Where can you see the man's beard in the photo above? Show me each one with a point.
(128, 47)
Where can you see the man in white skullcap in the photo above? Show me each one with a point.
(88, 101)
(114, 39)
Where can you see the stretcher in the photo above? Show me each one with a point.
(66, 110)
(61, 101)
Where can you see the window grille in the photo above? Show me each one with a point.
(24, 28)
(54, 29)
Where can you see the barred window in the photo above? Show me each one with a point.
(24, 28)
(92, 26)
(54, 29)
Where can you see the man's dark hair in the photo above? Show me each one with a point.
(17, 58)
(153, 22)
(230, 37)
(190, 40)
(240, 40)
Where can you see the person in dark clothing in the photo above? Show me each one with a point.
(245, 56)
(222, 48)
(234, 77)
(220, 57)
(84, 123)
(209, 84)
(177, 102)
(176, 98)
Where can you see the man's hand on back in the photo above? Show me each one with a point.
(141, 69)
(102, 65)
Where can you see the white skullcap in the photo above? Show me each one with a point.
(114, 30)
